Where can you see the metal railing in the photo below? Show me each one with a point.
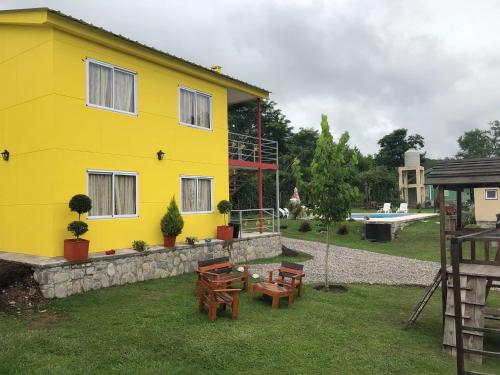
(246, 148)
(255, 220)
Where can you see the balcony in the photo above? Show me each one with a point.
(244, 152)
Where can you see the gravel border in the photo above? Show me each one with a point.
(356, 266)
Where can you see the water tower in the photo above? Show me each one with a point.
(412, 179)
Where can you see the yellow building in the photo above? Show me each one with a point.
(487, 205)
(83, 110)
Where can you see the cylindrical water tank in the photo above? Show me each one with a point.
(412, 158)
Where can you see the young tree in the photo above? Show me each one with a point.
(330, 188)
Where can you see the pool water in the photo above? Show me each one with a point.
(376, 216)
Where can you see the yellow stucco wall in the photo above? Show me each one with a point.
(54, 138)
(486, 209)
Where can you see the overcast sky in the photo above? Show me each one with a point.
(372, 66)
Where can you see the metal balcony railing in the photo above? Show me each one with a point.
(255, 220)
(245, 147)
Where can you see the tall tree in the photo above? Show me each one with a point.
(330, 186)
(394, 145)
(495, 137)
(475, 143)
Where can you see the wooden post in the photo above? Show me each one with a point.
(457, 300)
(442, 246)
(459, 209)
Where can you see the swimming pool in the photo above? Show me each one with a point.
(377, 215)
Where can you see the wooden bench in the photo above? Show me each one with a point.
(214, 294)
(221, 270)
(289, 275)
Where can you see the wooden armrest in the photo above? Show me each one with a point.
(226, 290)
(208, 273)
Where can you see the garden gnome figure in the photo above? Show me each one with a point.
(295, 199)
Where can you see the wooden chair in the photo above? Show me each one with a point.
(213, 294)
(289, 275)
(221, 269)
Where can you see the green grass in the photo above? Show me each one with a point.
(300, 257)
(419, 240)
(154, 328)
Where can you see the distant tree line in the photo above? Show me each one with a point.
(373, 174)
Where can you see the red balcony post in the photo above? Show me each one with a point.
(259, 171)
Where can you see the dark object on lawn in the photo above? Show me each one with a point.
(343, 230)
(283, 226)
(378, 232)
(287, 252)
(305, 226)
(331, 288)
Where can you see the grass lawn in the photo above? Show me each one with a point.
(154, 327)
(418, 240)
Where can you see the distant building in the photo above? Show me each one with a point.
(412, 179)
(487, 205)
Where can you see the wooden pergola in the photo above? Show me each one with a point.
(469, 277)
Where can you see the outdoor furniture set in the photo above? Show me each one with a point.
(215, 278)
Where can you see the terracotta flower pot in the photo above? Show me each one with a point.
(169, 241)
(76, 249)
(224, 232)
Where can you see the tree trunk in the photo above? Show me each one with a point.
(327, 254)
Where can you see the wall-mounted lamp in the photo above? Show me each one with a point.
(160, 155)
(5, 155)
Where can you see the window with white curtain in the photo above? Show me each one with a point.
(111, 87)
(196, 194)
(113, 194)
(195, 108)
(491, 194)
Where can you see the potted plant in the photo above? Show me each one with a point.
(191, 240)
(171, 224)
(224, 232)
(78, 248)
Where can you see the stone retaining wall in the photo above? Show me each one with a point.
(65, 278)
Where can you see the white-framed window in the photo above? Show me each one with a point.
(113, 194)
(110, 87)
(195, 108)
(196, 194)
(491, 194)
(446, 193)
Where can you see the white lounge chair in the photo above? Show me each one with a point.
(403, 208)
(287, 212)
(386, 209)
(282, 212)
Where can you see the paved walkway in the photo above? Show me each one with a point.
(357, 266)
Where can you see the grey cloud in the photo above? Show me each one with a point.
(372, 66)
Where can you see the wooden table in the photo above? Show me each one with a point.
(273, 290)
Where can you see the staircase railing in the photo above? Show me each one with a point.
(255, 220)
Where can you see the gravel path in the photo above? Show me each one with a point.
(357, 266)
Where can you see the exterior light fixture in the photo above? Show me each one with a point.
(5, 155)
(160, 155)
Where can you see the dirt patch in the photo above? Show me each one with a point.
(45, 319)
(332, 288)
(18, 289)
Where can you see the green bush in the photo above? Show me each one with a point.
(224, 207)
(295, 210)
(172, 223)
(139, 245)
(283, 226)
(78, 228)
(305, 226)
(81, 204)
(343, 230)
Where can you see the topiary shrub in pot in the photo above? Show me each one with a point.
(224, 232)
(78, 248)
(171, 224)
